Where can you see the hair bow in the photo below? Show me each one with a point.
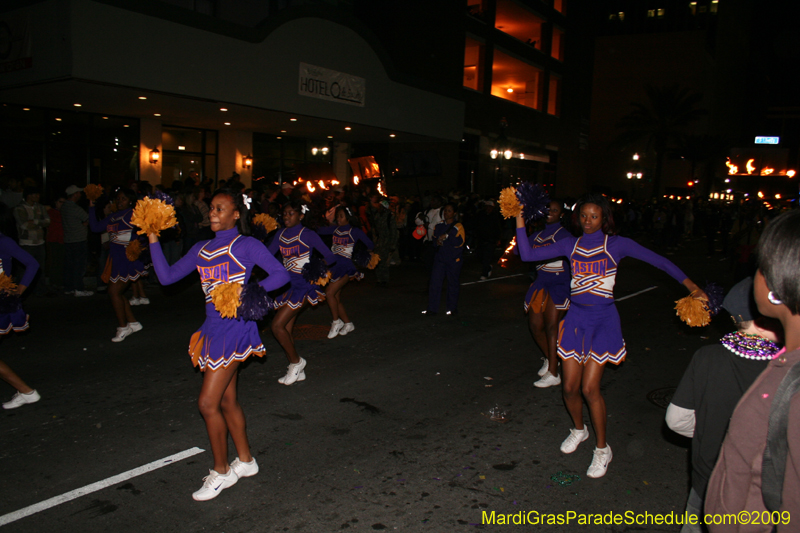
(304, 209)
(247, 201)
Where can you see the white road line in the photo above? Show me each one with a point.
(492, 279)
(94, 487)
(637, 293)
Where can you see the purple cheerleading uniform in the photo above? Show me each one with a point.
(121, 233)
(592, 329)
(15, 319)
(227, 258)
(295, 245)
(344, 239)
(553, 278)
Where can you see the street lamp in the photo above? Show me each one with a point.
(635, 173)
(502, 149)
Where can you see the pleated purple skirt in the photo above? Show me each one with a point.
(592, 332)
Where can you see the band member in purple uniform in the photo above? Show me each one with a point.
(448, 242)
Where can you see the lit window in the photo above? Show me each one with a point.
(660, 12)
(557, 46)
(612, 16)
(473, 64)
(651, 13)
(513, 19)
(714, 5)
(693, 7)
(554, 96)
(621, 15)
(559, 5)
(525, 79)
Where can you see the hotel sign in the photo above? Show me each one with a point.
(768, 140)
(319, 82)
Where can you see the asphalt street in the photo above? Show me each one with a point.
(391, 430)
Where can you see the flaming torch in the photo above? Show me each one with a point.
(750, 166)
(310, 187)
(732, 169)
(504, 259)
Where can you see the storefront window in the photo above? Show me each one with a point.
(188, 155)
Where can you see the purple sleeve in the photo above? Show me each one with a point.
(560, 248)
(623, 247)
(326, 230)
(312, 240)
(359, 235)
(277, 276)
(31, 264)
(167, 274)
(275, 243)
(97, 226)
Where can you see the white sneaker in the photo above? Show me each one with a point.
(20, 399)
(243, 469)
(600, 460)
(144, 301)
(548, 380)
(347, 328)
(214, 483)
(134, 301)
(135, 326)
(301, 377)
(545, 367)
(293, 372)
(84, 293)
(576, 436)
(482, 278)
(121, 334)
(336, 326)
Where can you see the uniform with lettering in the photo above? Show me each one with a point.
(447, 263)
(296, 244)
(591, 329)
(344, 239)
(15, 319)
(227, 258)
(121, 234)
(553, 278)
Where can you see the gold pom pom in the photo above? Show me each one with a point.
(93, 192)
(374, 259)
(153, 216)
(225, 297)
(693, 311)
(133, 250)
(509, 204)
(7, 284)
(267, 222)
(324, 279)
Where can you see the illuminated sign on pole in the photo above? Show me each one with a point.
(768, 140)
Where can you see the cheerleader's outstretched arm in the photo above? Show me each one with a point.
(167, 274)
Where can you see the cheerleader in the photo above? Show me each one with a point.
(13, 317)
(122, 271)
(221, 344)
(591, 335)
(547, 300)
(448, 242)
(295, 243)
(345, 236)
